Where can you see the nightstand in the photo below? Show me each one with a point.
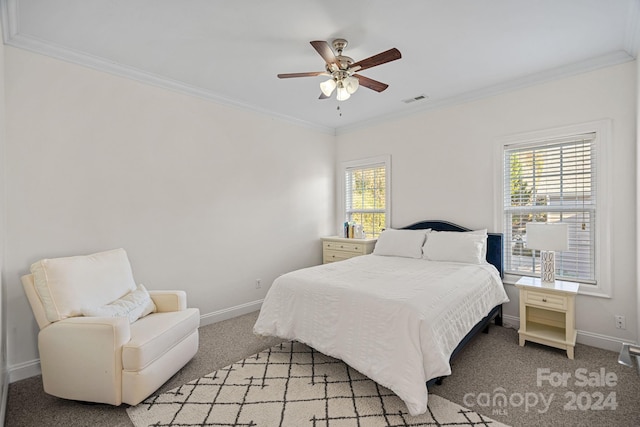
(547, 313)
(340, 248)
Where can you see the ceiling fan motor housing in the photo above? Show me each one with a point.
(339, 45)
(343, 61)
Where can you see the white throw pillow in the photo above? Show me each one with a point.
(65, 285)
(402, 243)
(134, 305)
(455, 247)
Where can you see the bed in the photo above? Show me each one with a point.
(399, 315)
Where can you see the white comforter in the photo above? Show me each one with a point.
(396, 320)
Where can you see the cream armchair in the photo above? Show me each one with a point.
(97, 342)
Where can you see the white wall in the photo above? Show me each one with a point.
(443, 168)
(203, 197)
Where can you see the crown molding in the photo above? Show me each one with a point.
(607, 60)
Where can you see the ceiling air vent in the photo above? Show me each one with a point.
(415, 98)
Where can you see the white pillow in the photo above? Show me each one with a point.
(482, 232)
(455, 247)
(134, 305)
(65, 285)
(402, 243)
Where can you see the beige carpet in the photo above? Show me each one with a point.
(293, 385)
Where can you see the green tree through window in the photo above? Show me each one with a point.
(365, 191)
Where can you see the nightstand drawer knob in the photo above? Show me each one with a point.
(544, 300)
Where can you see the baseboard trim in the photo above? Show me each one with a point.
(231, 312)
(601, 341)
(24, 370)
(510, 321)
(591, 339)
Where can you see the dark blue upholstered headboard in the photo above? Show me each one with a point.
(494, 240)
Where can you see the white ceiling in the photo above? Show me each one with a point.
(230, 51)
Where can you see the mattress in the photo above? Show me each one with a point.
(396, 320)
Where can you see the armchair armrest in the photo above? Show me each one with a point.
(89, 365)
(169, 300)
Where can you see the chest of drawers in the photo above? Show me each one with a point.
(340, 248)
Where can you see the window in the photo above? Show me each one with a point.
(556, 179)
(366, 194)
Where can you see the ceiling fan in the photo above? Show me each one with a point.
(341, 70)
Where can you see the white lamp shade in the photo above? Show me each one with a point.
(327, 87)
(547, 237)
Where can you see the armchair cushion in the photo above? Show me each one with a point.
(65, 285)
(134, 305)
(153, 335)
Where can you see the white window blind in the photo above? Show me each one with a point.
(552, 181)
(365, 201)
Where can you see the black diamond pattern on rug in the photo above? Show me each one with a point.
(293, 385)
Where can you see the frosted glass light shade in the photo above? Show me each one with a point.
(327, 87)
(351, 84)
(547, 237)
(342, 94)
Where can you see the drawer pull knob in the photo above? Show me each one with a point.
(544, 300)
(341, 246)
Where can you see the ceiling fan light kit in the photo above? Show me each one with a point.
(342, 94)
(328, 86)
(342, 70)
(346, 86)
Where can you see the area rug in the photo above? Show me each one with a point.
(292, 385)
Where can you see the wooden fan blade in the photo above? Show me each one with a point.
(381, 58)
(323, 48)
(309, 74)
(370, 83)
(322, 96)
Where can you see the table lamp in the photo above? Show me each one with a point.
(547, 238)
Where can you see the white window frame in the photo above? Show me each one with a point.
(603, 146)
(363, 163)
